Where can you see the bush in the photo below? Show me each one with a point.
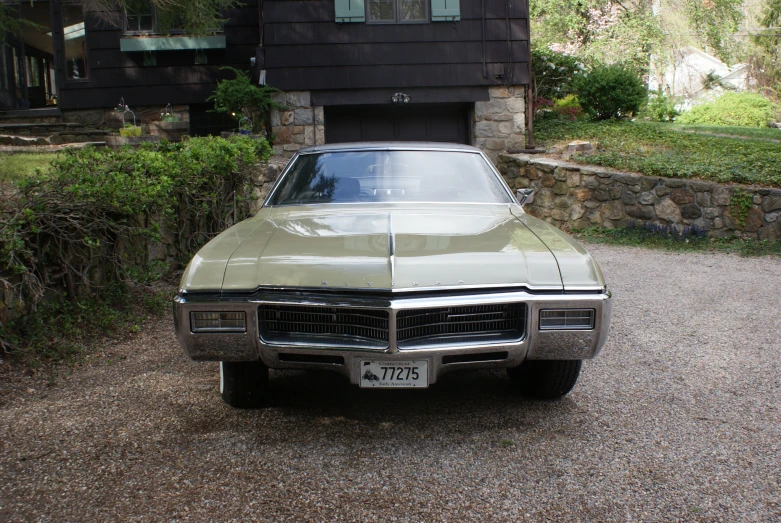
(90, 221)
(130, 130)
(660, 108)
(553, 74)
(735, 109)
(568, 107)
(610, 91)
(246, 101)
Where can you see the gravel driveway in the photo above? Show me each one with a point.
(679, 419)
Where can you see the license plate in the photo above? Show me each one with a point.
(394, 374)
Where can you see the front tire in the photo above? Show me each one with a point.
(243, 384)
(545, 379)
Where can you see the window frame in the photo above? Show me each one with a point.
(397, 14)
(64, 66)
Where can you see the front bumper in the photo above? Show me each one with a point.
(536, 344)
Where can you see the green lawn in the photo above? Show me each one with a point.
(17, 166)
(661, 149)
(760, 133)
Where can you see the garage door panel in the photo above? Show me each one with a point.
(415, 122)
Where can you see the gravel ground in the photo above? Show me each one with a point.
(677, 420)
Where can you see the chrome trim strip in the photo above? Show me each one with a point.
(392, 250)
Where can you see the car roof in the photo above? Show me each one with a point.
(389, 146)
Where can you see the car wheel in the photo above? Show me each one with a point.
(545, 379)
(243, 384)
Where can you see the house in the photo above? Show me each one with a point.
(686, 77)
(351, 70)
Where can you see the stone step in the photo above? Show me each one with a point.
(38, 129)
(59, 138)
(46, 115)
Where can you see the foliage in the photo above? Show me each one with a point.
(610, 91)
(243, 99)
(568, 107)
(739, 204)
(765, 58)
(657, 149)
(89, 221)
(714, 22)
(713, 81)
(672, 239)
(597, 31)
(553, 73)
(197, 17)
(737, 109)
(21, 165)
(755, 133)
(660, 107)
(10, 24)
(169, 117)
(130, 130)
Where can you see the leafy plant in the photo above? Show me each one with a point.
(737, 109)
(553, 73)
(610, 91)
(130, 130)
(568, 107)
(660, 107)
(241, 98)
(739, 204)
(90, 221)
(169, 117)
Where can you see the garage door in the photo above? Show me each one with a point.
(413, 122)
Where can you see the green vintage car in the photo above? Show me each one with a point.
(392, 263)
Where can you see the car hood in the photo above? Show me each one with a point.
(390, 248)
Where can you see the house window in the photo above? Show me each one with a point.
(75, 42)
(397, 11)
(139, 17)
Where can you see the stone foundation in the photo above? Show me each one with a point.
(108, 117)
(500, 123)
(572, 195)
(300, 125)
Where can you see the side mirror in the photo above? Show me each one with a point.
(524, 196)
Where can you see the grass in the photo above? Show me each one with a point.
(16, 166)
(664, 238)
(759, 133)
(661, 149)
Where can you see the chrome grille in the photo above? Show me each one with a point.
(318, 325)
(467, 324)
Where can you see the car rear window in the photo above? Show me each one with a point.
(390, 176)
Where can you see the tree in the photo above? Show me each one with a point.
(195, 17)
(765, 61)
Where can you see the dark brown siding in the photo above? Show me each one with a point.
(175, 79)
(304, 49)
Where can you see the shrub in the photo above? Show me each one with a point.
(90, 220)
(610, 91)
(244, 100)
(568, 107)
(130, 130)
(660, 107)
(736, 109)
(553, 74)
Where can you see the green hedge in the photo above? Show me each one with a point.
(736, 109)
(89, 223)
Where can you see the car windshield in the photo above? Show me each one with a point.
(390, 176)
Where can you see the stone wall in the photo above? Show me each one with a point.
(300, 125)
(573, 195)
(108, 117)
(500, 123)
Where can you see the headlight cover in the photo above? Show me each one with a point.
(566, 319)
(218, 322)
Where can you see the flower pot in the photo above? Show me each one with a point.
(115, 141)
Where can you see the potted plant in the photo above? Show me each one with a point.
(129, 134)
(169, 127)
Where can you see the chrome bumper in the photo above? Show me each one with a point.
(536, 344)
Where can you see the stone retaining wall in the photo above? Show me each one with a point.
(570, 195)
(300, 125)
